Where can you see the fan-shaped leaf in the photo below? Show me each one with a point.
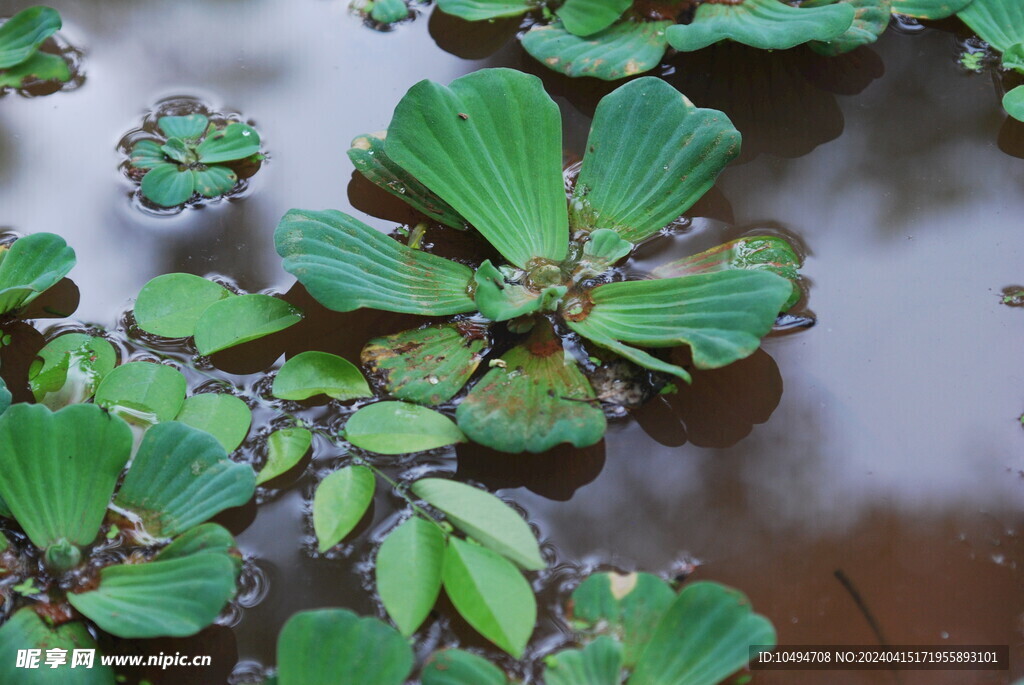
(214, 180)
(702, 638)
(427, 365)
(231, 143)
(336, 647)
(147, 154)
(58, 470)
(624, 49)
(240, 319)
(457, 667)
(1013, 103)
(41, 66)
(225, 417)
(30, 266)
(599, 663)
(371, 160)
(928, 9)
(167, 185)
(1000, 23)
(871, 18)
(170, 305)
(624, 606)
(190, 127)
(535, 400)
(764, 24)
(22, 34)
(478, 10)
(174, 597)
(176, 149)
(416, 544)
(586, 17)
(490, 145)
(483, 517)
(650, 156)
(148, 390)
(400, 428)
(722, 316)
(339, 503)
(761, 252)
(345, 265)
(314, 373)
(285, 449)
(26, 630)
(180, 477)
(69, 368)
(603, 248)
(490, 594)
(208, 538)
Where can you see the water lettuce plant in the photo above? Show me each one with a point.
(195, 157)
(64, 483)
(21, 60)
(486, 152)
(1000, 23)
(30, 266)
(383, 12)
(634, 630)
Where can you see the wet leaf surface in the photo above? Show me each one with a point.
(929, 9)
(22, 34)
(240, 319)
(26, 630)
(1000, 23)
(599, 663)
(285, 449)
(225, 417)
(170, 305)
(146, 390)
(586, 17)
(478, 10)
(624, 49)
(400, 428)
(231, 143)
(339, 503)
(408, 597)
(30, 266)
(70, 368)
(314, 373)
(459, 667)
(763, 24)
(870, 21)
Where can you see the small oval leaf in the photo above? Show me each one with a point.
(148, 390)
(170, 305)
(400, 428)
(416, 544)
(339, 503)
(285, 449)
(240, 319)
(314, 373)
(225, 417)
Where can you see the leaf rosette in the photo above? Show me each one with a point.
(488, 150)
(22, 62)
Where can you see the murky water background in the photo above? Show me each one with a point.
(882, 444)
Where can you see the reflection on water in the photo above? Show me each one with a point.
(882, 443)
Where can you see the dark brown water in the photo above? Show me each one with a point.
(882, 443)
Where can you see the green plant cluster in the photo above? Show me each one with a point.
(195, 158)
(21, 60)
(485, 152)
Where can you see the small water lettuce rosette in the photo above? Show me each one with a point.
(383, 15)
(194, 158)
(85, 543)
(1000, 23)
(486, 152)
(22, 61)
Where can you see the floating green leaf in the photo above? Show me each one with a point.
(41, 66)
(336, 647)
(1000, 23)
(340, 502)
(650, 156)
(170, 305)
(180, 477)
(603, 248)
(345, 265)
(208, 538)
(535, 400)
(148, 390)
(69, 368)
(485, 518)
(416, 544)
(722, 316)
(928, 9)
(174, 597)
(5, 396)
(599, 663)
(702, 638)
(586, 17)
(624, 606)
(59, 469)
(490, 594)
(22, 34)
(231, 143)
(146, 154)
(499, 300)
(399, 428)
(871, 18)
(513, 194)
(389, 11)
(457, 667)
(761, 252)
(427, 365)
(189, 127)
(285, 448)
(314, 373)
(214, 180)
(30, 266)
(479, 10)
(1013, 103)
(176, 149)
(240, 319)
(764, 24)
(225, 417)
(371, 159)
(26, 630)
(624, 49)
(168, 186)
